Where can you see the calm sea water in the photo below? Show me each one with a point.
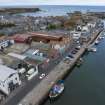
(86, 85)
(55, 10)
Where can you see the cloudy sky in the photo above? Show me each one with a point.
(52, 2)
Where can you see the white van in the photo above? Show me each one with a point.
(31, 73)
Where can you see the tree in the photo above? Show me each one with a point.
(51, 26)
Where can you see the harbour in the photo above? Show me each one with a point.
(34, 61)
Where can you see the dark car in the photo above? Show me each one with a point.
(71, 56)
(74, 51)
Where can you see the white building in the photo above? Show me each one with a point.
(5, 43)
(91, 25)
(85, 28)
(75, 34)
(9, 78)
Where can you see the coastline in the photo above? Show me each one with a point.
(18, 10)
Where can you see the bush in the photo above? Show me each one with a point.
(51, 26)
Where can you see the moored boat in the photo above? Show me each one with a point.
(56, 90)
(96, 42)
(92, 49)
(79, 62)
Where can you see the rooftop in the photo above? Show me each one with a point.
(32, 61)
(46, 35)
(5, 72)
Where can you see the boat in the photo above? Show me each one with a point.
(96, 42)
(79, 62)
(92, 49)
(56, 90)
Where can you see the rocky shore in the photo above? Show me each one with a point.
(18, 10)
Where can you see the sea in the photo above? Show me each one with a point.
(59, 10)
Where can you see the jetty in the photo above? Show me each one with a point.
(40, 92)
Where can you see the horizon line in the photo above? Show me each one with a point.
(52, 5)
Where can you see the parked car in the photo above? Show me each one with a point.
(42, 76)
(67, 60)
(70, 55)
(74, 51)
(78, 47)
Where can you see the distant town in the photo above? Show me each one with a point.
(36, 52)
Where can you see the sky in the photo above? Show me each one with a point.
(52, 2)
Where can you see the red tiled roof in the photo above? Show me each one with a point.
(20, 37)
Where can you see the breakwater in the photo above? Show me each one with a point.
(39, 93)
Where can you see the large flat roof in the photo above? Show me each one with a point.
(18, 56)
(5, 72)
(45, 35)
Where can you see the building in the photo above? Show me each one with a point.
(57, 41)
(35, 54)
(5, 42)
(9, 79)
(21, 38)
(45, 37)
(85, 28)
(76, 34)
(85, 37)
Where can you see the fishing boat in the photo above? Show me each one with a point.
(56, 90)
(92, 49)
(79, 62)
(96, 42)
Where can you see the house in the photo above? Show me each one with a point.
(85, 37)
(91, 24)
(4, 42)
(9, 79)
(75, 34)
(85, 28)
